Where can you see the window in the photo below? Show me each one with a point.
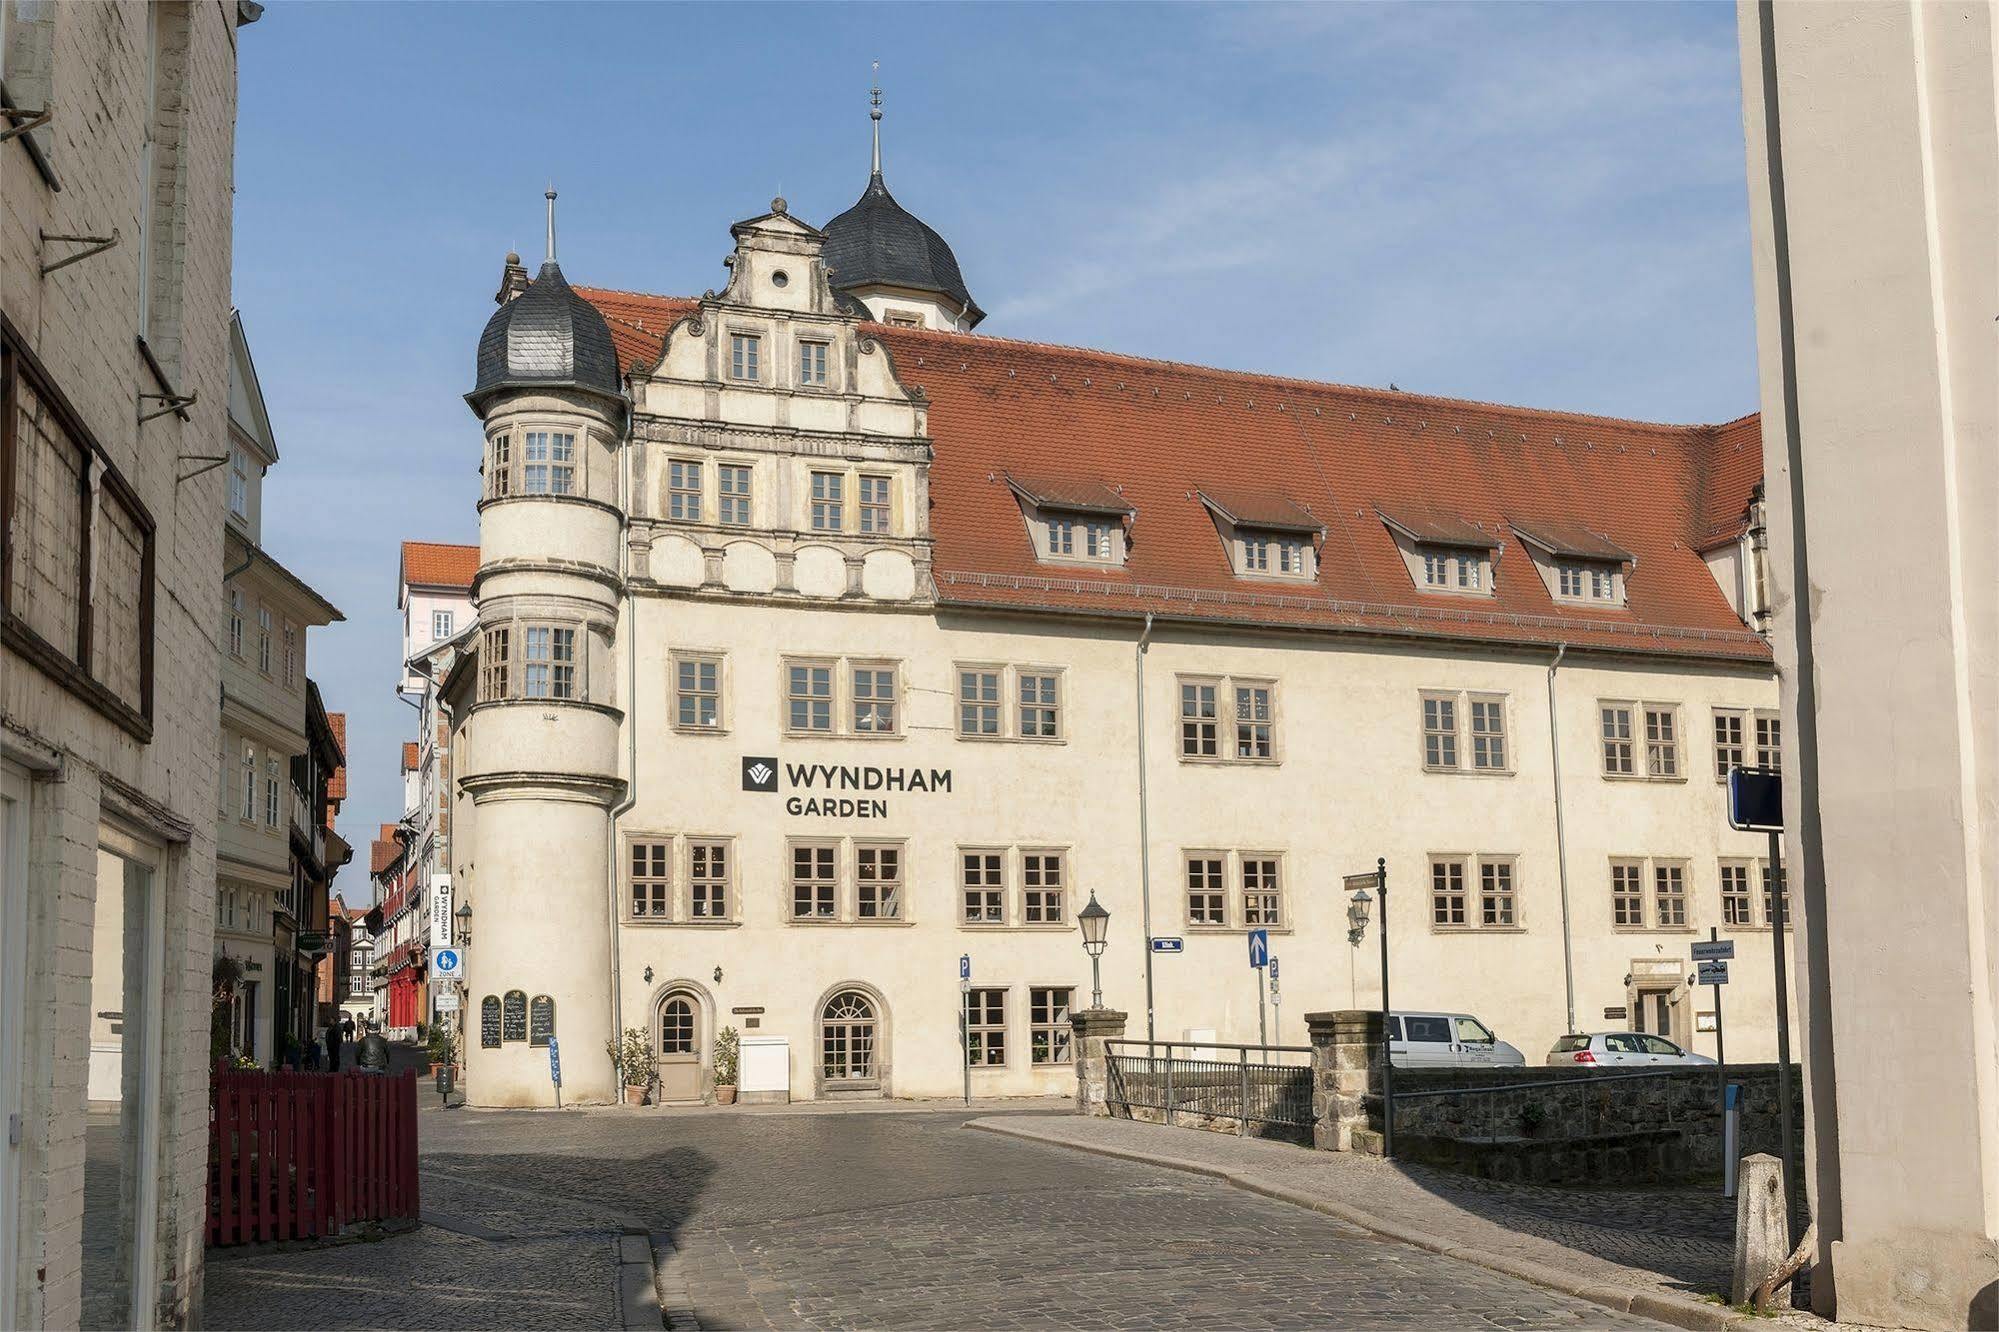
(1291, 557)
(1769, 741)
(1736, 911)
(828, 502)
(814, 881)
(1569, 579)
(249, 783)
(239, 483)
(985, 1028)
(549, 463)
(1041, 883)
(697, 693)
(683, 491)
(1662, 741)
(440, 625)
(270, 793)
(264, 639)
(1669, 896)
(809, 696)
(978, 702)
(878, 882)
(548, 662)
(1578, 580)
(1495, 893)
(847, 1038)
(745, 351)
(1255, 722)
(1256, 554)
(1440, 731)
(1627, 894)
(1073, 538)
(1040, 711)
(1488, 734)
(811, 364)
(651, 880)
(1207, 903)
(1447, 892)
(732, 483)
(1773, 884)
(493, 664)
(1048, 1024)
(874, 700)
(1061, 536)
(983, 876)
(236, 623)
(1454, 570)
(1097, 541)
(1616, 739)
(875, 504)
(1727, 743)
(291, 655)
(676, 1026)
(708, 880)
(904, 319)
(1262, 893)
(500, 473)
(1197, 719)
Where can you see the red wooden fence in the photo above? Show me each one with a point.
(304, 1155)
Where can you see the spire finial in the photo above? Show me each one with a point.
(550, 196)
(875, 115)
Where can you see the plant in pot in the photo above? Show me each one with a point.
(728, 1054)
(632, 1057)
(442, 1047)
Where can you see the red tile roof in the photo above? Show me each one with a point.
(381, 855)
(1732, 476)
(1162, 431)
(411, 756)
(336, 784)
(434, 564)
(1424, 524)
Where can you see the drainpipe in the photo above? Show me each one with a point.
(630, 797)
(1561, 839)
(1144, 834)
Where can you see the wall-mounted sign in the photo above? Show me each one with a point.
(489, 1022)
(514, 1016)
(1618, 1014)
(445, 1000)
(541, 1021)
(1713, 950)
(1165, 944)
(1712, 973)
(1706, 1022)
(440, 912)
(758, 1008)
(817, 790)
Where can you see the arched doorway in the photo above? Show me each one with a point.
(852, 1041)
(677, 1037)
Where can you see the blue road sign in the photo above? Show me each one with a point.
(1165, 944)
(554, 1062)
(1273, 970)
(1259, 948)
(446, 963)
(1755, 800)
(964, 966)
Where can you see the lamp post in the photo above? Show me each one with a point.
(1096, 924)
(464, 917)
(1356, 927)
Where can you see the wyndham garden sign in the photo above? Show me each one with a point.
(839, 790)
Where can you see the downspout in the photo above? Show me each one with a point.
(1561, 841)
(1144, 833)
(630, 797)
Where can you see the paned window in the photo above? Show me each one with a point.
(809, 696)
(1662, 742)
(978, 702)
(1447, 892)
(708, 880)
(812, 363)
(1061, 536)
(1440, 732)
(1436, 569)
(239, 483)
(683, 490)
(814, 880)
(1262, 892)
(1669, 896)
(1737, 910)
(1048, 1024)
(697, 692)
(745, 354)
(983, 877)
(651, 880)
(1495, 892)
(440, 625)
(1627, 893)
(270, 793)
(500, 476)
(847, 1038)
(875, 504)
(1040, 708)
(829, 502)
(676, 1026)
(1097, 541)
(1617, 752)
(732, 484)
(1291, 557)
(1769, 741)
(1256, 554)
(878, 882)
(548, 662)
(291, 654)
(493, 664)
(1488, 733)
(1198, 719)
(874, 700)
(548, 465)
(1207, 901)
(1773, 886)
(236, 623)
(1255, 722)
(264, 639)
(1602, 587)
(1728, 751)
(249, 783)
(1042, 884)
(985, 1028)
(1570, 579)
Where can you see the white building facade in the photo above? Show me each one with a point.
(819, 649)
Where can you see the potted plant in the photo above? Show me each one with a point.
(632, 1058)
(728, 1053)
(442, 1048)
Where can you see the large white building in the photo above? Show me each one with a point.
(822, 641)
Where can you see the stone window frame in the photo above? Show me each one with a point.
(990, 1035)
(1227, 716)
(727, 883)
(851, 678)
(1757, 731)
(1464, 571)
(880, 1024)
(1451, 880)
(1460, 739)
(690, 499)
(802, 362)
(1006, 703)
(898, 883)
(697, 657)
(1597, 582)
(1647, 880)
(745, 358)
(1045, 1022)
(264, 623)
(576, 467)
(73, 665)
(1277, 887)
(998, 896)
(499, 469)
(726, 500)
(236, 623)
(1749, 918)
(1633, 753)
(1671, 890)
(1063, 887)
(556, 661)
(787, 696)
(1664, 739)
(495, 663)
(1219, 887)
(841, 695)
(659, 880)
(792, 879)
(1278, 547)
(880, 510)
(828, 501)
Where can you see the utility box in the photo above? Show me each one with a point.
(763, 1071)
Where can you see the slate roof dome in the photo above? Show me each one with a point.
(878, 242)
(547, 337)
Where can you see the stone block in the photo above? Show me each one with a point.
(1761, 1241)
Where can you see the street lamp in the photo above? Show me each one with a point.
(1357, 916)
(464, 916)
(1096, 924)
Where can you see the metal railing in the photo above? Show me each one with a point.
(1251, 1084)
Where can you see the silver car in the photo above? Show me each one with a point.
(1622, 1049)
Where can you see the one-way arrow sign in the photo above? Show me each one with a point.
(1259, 948)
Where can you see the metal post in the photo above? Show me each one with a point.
(1720, 1040)
(1387, 1048)
(965, 1045)
(1262, 1030)
(1097, 979)
(1242, 1089)
(1144, 829)
(1169, 1078)
(1775, 905)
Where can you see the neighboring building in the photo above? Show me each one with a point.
(815, 652)
(114, 379)
(1874, 192)
(317, 853)
(266, 702)
(398, 930)
(345, 976)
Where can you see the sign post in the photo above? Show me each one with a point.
(1276, 1001)
(1756, 804)
(1259, 958)
(964, 1018)
(555, 1069)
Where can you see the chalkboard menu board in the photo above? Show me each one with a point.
(514, 1019)
(541, 1020)
(489, 1022)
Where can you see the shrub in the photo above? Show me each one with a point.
(632, 1057)
(728, 1050)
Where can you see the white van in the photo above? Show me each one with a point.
(1447, 1040)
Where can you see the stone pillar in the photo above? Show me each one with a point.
(1346, 1080)
(1760, 1242)
(1091, 1028)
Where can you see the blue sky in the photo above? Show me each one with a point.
(1534, 205)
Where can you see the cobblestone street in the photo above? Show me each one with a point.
(851, 1221)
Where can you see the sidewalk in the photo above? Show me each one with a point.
(1651, 1252)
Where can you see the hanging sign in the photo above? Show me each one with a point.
(440, 911)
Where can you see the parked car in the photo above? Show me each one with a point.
(1447, 1040)
(1622, 1049)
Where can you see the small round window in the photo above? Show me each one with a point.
(780, 278)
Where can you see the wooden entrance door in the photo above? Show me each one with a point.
(680, 1048)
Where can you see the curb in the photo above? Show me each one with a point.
(1661, 1306)
(638, 1297)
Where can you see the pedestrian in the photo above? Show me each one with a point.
(371, 1054)
(333, 1035)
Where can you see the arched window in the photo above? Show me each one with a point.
(676, 1026)
(847, 1037)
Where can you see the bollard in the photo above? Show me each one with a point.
(1242, 1124)
(1760, 1241)
(1731, 1130)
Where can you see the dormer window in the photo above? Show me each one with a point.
(1267, 535)
(1577, 581)
(1079, 538)
(1580, 567)
(1443, 551)
(1079, 522)
(1454, 570)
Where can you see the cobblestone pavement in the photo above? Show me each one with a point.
(853, 1221)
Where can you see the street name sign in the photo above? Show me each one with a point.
(1259, 948)
(1755, 800)
(445, 1001)
(1168, 945)
(1712, 973)
(1355, 882)
(1713, 950)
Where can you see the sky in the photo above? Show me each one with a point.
(1534, 205)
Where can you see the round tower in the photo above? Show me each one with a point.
(541, 741)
